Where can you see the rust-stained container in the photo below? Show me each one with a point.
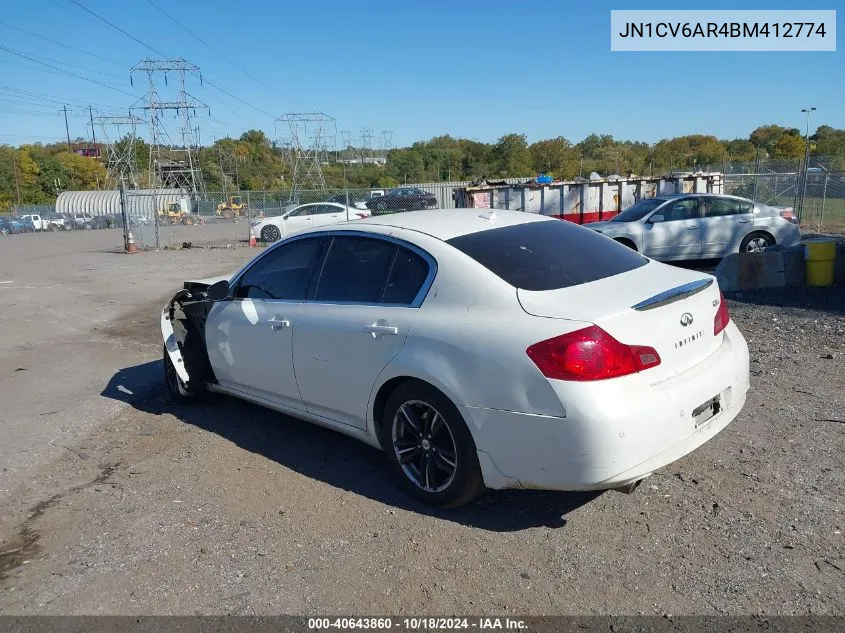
(581, 200)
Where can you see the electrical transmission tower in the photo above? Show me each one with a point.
(366, 145)
(346, 144)
(310, 134)
(173, 161)
(120, 133)
(387, 143)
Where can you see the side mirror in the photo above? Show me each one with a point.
(218, 291)
(655, 219)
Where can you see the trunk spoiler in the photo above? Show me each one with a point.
(673, 295)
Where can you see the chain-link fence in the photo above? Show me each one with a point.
(816, 193)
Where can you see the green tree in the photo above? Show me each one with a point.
(511, 157)
(789, 146)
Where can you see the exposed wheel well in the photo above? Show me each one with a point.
(626, 242)
(766, 233)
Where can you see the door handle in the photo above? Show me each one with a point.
(743, 221)
(692, 228)
(276, 322)
(382, 329)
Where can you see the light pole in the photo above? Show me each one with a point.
(806, 161)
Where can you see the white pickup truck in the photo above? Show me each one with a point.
(38, 223)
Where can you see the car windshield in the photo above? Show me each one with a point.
(639, 210)
(547, 255)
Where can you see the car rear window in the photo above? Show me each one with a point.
(548, 255)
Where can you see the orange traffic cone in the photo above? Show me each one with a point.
(130, 244)
(252, 240)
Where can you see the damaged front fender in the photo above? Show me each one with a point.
(171, 344)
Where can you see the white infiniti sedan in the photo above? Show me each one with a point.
(492, 350)
(303, 217)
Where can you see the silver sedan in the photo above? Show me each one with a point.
(700, 226)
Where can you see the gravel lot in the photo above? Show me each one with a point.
(115, 501)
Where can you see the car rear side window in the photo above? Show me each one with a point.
(406, 277)
(285, 273)
(718, 207)
(355, 270)
(548, 255)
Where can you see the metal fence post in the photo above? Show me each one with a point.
(124, 215)
(155, 219)
(824, 196)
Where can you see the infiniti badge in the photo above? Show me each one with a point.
(686, 319)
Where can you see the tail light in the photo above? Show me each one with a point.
(362, 215)
(720, 322)
(789, 214)
(590, 354)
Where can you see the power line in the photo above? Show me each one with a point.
(66, 72)
(236, 98)
(214, 50)
(57, 43)
(85, 68)
(115, 26)
(55, 98)
(132, 37)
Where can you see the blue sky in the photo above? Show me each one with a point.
(475, 69)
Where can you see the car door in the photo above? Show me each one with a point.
(364, 305)
(726, 221)
(330, 213)
(678, 234)
(249, 336)
(300, 219)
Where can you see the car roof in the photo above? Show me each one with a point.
(672, 196)
(445, 224)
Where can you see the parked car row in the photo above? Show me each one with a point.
(51, 222)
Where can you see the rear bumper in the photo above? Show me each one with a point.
(616, 431)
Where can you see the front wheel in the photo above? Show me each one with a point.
(430, 448)
(270, 233)
(176, 387)
(755, 242)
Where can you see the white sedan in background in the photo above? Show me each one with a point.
(302, 217)
(493, 350)
(700, 226)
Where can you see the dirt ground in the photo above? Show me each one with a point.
(117, 502)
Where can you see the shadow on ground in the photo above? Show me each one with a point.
(335, 459)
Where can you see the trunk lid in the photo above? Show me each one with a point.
(667, 308)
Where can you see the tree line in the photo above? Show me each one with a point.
(35, 173)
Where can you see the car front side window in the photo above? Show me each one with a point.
(282, 274)
(684, 209)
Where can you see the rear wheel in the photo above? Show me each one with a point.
(755, 242)
(270, 233)
(430, 448)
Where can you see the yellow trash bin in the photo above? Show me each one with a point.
(820, 254)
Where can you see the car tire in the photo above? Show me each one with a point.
(4, 231)
(270, 233)
(755, 242)
(443, 469)
(176, 388)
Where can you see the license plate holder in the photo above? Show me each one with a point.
(707, 410)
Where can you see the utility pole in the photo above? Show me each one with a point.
(806, 161)
(17, 185)
(91, 119)
(67, 128)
